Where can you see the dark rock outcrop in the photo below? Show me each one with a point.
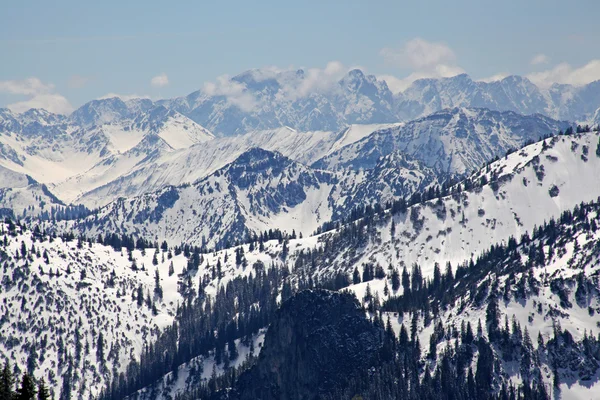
(317, 343)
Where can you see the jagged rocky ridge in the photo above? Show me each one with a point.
(360, 98)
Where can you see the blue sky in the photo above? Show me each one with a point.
(61, 54)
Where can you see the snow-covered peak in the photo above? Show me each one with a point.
(99, 112)
(176, 129)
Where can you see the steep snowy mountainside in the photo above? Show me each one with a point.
(72, 311)
(12, 179)
(99, 142)
(134, 143)
(509, 197)
(517, 193)
(544, 286)
(196, 162)
(395, 176)
(452, 142)
(21, 196)
(512, 93)
(596, 118)
(175, 129)
(283, 194)
(258, 191)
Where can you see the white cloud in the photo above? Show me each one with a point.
(539, 59)
(235, 92)
(564, 73)
(40, 95)
(77, 81)
(160, 80)
(425, 59)
(123, 97)
(291, 85)
(316, 80)
(55, 103)
(419, 54)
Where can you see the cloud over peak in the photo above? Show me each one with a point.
(565, 73)
(40, 95)
(419, 54)
(160, 80)
(425, 59)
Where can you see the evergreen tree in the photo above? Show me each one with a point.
(7, 382)
(43, 393)
(356, 276)
(395, 280)
(27, 390)
(405, 281)
(157, 287)
(100, 348)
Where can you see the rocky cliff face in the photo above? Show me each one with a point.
(317, 343)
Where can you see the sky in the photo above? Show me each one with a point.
(59, 55)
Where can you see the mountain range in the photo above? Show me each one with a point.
(265, 238)
(358, 98)
(260, 189)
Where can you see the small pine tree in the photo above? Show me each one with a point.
(233, 352)
(395, 280)
(157, 287)
(356, 276)
(43, 392)
(27, 390)
(7, 382)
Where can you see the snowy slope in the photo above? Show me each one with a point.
(60, 297)
(144, 140)
(546, 296)
(22, 197)
(525, 189)
(529, 187)
(196, 162)
(98, 143)
(258, 191)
